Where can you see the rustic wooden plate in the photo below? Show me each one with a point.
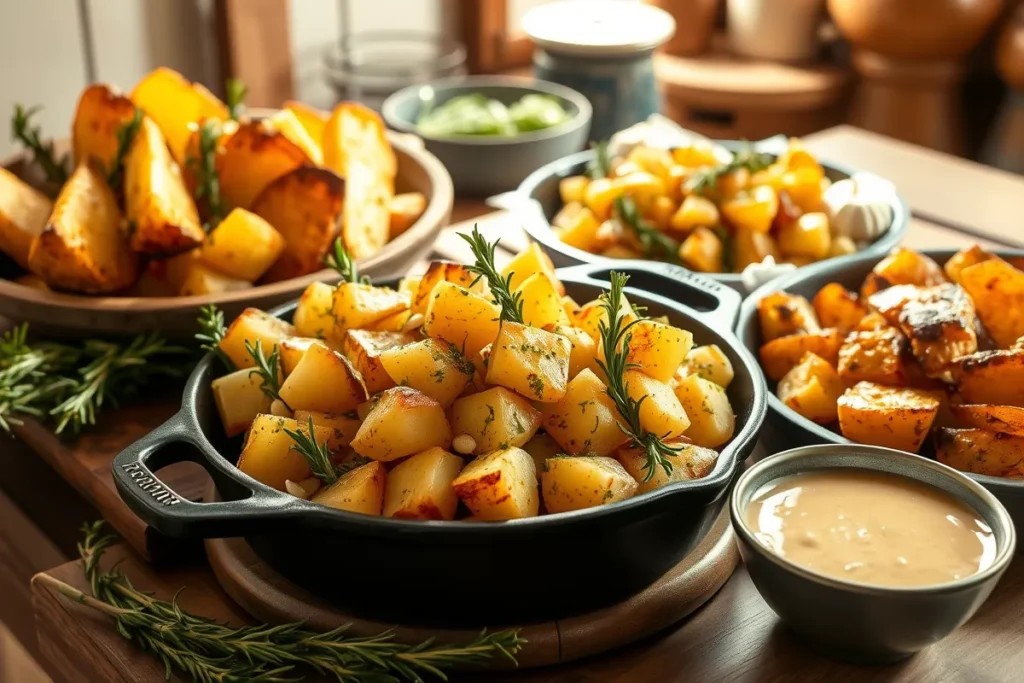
(73, 314)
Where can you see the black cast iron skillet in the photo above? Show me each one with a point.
(456, 573)
(785, 428)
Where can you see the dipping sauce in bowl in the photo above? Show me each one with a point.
(872, 528)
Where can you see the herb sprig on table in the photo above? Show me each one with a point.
(205, 651)
(31, 138)
(511, 303)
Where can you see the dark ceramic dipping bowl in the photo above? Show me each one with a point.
(785, 428)
(856, 622)
(491, 164)
(454, 573)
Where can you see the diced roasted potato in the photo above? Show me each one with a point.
(461, 317)
(252, 325)
(940, 323)
(995, 377)
(443, 271)
(750, 246)
(835, 306)
(533, 362)
(541, 447)
(807, 236)
(586, 420)
(433, 366)
(592, 314)
(323, 381)
(542, 304)
(314, 314)
(357, 305)
(572, 189)
(421, 487)
(201, 279)
(902, 267)
(342, 428)
(579, 482)
(992, 418)
(783, 314)
(529, 261)
(405, 209)
(364, 348)
(285, 121)
(243, 246)
(691, 462)
(578, 227)
(872, 321)
(584, 348)
(304, 206)
(886, 416)
(268, 456)
(709, 362)
(873, 356)
(23, 214)
(358, 490)
(312, 119)
(981, 452)
(695, 212)
(82, 248)
(403, 421)
(997, 289)
(174, 103)
(703, 251)
(496, 419)
(754, 210)
(660, 412)
(780, 355)
(965, 258)
(239, 397)
(500, 485)
(812, 389)
(712, 420)
(102, 110)
(254, 157)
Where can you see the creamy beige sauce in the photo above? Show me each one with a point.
(871, 528)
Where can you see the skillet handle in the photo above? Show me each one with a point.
(714, 304)
(170, 514)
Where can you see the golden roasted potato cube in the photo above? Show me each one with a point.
(405, 209)
(239, 397)
(102, 110)
(586, 420)
(873, 356)
(256, 155)
(500, 485)
(712, 420)
(496, 419)
(82, 248)
(690, 462)
(695, 212)
(342, 428)
(567, 215)
(363, 348)
(573, 188)
(533, 362)
(268, 456)
(581, 229)
(444, 271)
(252, 325)
(995, 377)
(461, 317)
(542, 304)
(661, 212)
(782, 314)
(541, 447)
(902, 267)
(940, 323)
(660, 412)
(887, 416)
(812, 388)
(243, 246)
(872, 321)
(805, 187)
(433, 366)
(702, 251)
(583, 351)
(285, 121)
(421, 487)
(991, 418)
(201, 279)
(808, 236)
(323, 381)
(357, 305)
(981, 452)
(658, 349)
(579, 482)
(314, 314)
(23, 214)
(780, 355)
(997, 289)
(312, 119)
(529, 261)
(754, 210)
(599, 195)
(359, 490)
(175, 103)
(965, 258)
(749, 246)
(592, 314)
(709, 362)
(835, 306)
(403, 421)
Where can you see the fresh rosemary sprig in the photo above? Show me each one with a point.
(235, 92)
(42, 152)
(653, 241)
(212, 331)
(747, 158)
(615, 338)
(268, 368)
(30, 377)
(338, 259)
(601, 165)
(316, 454)
(125, 135)
(511, 303)
(207, 192)
(209, 652)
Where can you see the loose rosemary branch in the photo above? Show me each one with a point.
(42, 152)
(125, 135)
(268, 369)
(212, 331)
(339, 259)
(615, 338)
(207, 191)
(316, 454)
(209, 652)
(235, 92)
(747, 158)
(653, 241)
(501, 287)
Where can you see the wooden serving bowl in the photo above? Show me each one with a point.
(60, 313)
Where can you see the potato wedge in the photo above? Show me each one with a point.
(981, 452)
(500, 485)
(444, 271)
(542, 304)
(102, 110)
(997, 289)
(252, 325)
(243, 246)
(533, 260)
(82, 248)
(1006, 419)
(421, 487)
(343, 427)
(812, 389)
(403, 212)
(993, 377)
(23, 214)
(579, 482)
(292, 349)
(532, 362)
(902, 267)
(712, 420)
(173, 102)
(585, 421)
(403, 421)
(254, 157)
(364, 348)
(875, 356)
(780, 355)
(783, 314)
(285, 121)
(323, 381)
(838, 307)
(268, 456)
(312, 119)
(461, 317)
(434, 366)
(690, 462)
(709, 362)
(304, 206)
(886, 416)
(360, 490)
(496, 419)
(239, 397)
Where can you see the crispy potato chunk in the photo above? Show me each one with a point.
(580, 482)
(364, 348)
(542, 304)
(529, 261)
(102, 110)
(965, 258)
(173, 102)
(812, 388)
(243, 246)
(886, 416)
(292, 349)
(405, 209)
(541, 447)
(201, 279)
(434, 366)
(252, 325)
(1006, 419)
(444, 271)
(500, 485)
(496, 419)
(584, 349)
(981, 452)
(710, 363)
(940, 323)
(421, 487)
(312, 119)
(997, 289)
(314, 314)
(239, 397)
(712, 420)
(323, 381)
(658, 349)
(256, 155)
(780, 355)
(268, 456)
(838, 307)
(285, 121)
(23, 214)
(660, 412)
(703, 251)
(995, 377)
(532, 362)
(461, 317)
(783, 314)
(691, 462)
(402, 422)
(590, 316)
(357, 305)
(875, 356)
(343, 427)
(359, 490)
(902, 267)
(586, 420)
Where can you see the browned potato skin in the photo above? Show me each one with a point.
(304, 206)
(784, 314)
(887, 416)
(1006, 419)
(779, 356)
(993, 377)
(837, 307)
(82, 248)
(981, 452)
(940, 323)
(902, 267)
(256, 155)
(997, 289)
(965, 258)
(102, 110)
(23, 214)
(363, 349)
(443, 271)
(874, 356)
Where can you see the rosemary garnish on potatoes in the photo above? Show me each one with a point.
(316, 454)
(340, 261)
(747, 158)
(234, 95)
(653, 241)
(268, 369)
(205, 651)
(207, 191)
(615, 338)
(211, 331)
(42, 152)
(601, 165)
(511, 303)
(125, 135)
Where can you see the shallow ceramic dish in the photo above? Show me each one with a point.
(786, 428)
(59, 313)
(856, 622)
(541, 186)
(490, 164)
(453, 572)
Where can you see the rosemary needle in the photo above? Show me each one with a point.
(268, 368)
(316, 454)
(42, 152)
(341, 262)
(211, 331)
(511, 303)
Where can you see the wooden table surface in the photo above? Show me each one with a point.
(734, 637)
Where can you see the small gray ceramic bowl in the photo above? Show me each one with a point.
(486, 165)
(856, 622)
